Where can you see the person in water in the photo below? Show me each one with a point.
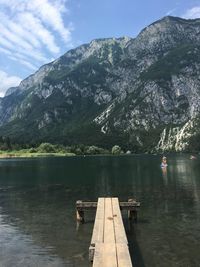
(164, 162)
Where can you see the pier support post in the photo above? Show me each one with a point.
(91, 252)
(132, 214)
(79, 213)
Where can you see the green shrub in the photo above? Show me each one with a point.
(92, 150)
(46, 148)
(32, 150)
(116, 150)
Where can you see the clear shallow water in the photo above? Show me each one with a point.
(37, 209)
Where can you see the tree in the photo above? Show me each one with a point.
(46, 148)
(116, 150)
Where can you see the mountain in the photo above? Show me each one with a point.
(141, 93)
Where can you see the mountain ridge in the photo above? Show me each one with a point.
(126, 91)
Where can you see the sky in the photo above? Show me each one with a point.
(35, 32)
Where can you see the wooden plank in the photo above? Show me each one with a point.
(105, 255)
(87, 205)
(100, 213)
(123, 256)
(98, 230)
(109, 233)
(129, 205)
(109, 245)
(120, 234)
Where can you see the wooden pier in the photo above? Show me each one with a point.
(109, 245)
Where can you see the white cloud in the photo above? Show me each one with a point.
(5, 51)
(51, 14)
(14, 38)
(7, 82)
(30, 22)
(23, 62)
(33, 31)
(6, 43)
(18, 30)
(15, 48)
(192, 13)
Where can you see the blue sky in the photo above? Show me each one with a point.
(36, 32)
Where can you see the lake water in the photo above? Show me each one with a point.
(37, 209)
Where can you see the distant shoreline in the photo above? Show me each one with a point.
(20, 154)
(34, 155)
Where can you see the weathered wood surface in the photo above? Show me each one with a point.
(105, 255)
(109, 255)
(123, 256)
(86, 205)
(79, 212)
(98, 230)
(109, 245)
(120, 234)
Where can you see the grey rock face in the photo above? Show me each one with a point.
(141, 87)
(176, 139)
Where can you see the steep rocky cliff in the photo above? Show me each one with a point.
(141, 93)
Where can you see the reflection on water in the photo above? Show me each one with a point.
(18, 249)
(37, 209)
